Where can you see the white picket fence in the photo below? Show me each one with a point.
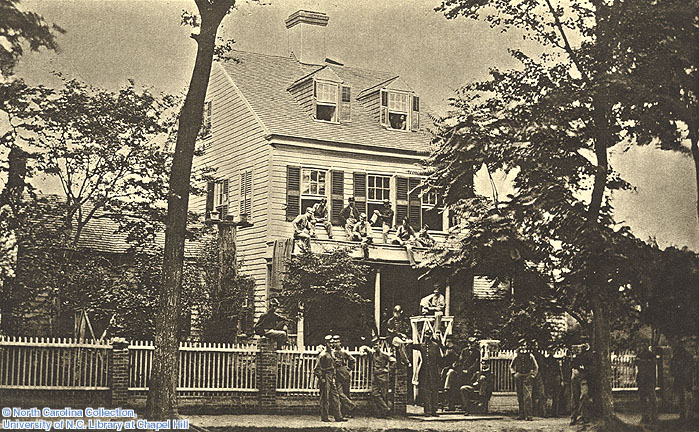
(295, 371)
(203, 367)
(53, 363)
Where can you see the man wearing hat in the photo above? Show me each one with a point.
(398, 329)
(325, 372)
(480, 390)
(320, 215)
(344, 363)
(349, 216)
(385, 217)
(429, 378)
(524, 368)
(272, 324)
(381, 365)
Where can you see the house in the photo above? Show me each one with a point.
(286, 131)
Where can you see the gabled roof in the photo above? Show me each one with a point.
(264, 81)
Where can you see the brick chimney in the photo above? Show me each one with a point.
(306, 31)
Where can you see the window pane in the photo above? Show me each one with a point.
(325, 112)
(345, 94)
(326, 92)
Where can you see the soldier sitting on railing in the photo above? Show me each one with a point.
(272, 324)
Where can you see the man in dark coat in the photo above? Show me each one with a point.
(384, 219)
(430, 380)
(325, 372)
(398, 331)
(683, 368)
(320, 215)
(524, 369)
(581, 369)
(349, 216)
(538, 389)
(272, 324)
(480, 389)
(553, 383)
(380, 383)
(344, 364)
(646, 381)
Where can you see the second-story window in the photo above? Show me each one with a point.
(313, 186)
(221, 198)
(378, 190)
(326, 101)
(395, 108)
(431, 212)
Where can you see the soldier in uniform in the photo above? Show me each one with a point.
(380, 383)
(304, 228)
(581, 365)
(320, 215)
(430, 379)
(385, 217)
(325, 372)
(646, 381)
(397, 330)
(349, 216)
(538, 389)
(524, 368)
(344, 363)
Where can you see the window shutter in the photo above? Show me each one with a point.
(293, 192)
(415, 115)
(209, 199)
(337, 195)
(246, 193)
(314, 112)
(401, 199)
(345, 104)
(360, 191)
(383, 115)
(414, 204)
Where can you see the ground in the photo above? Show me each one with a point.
(496, 423)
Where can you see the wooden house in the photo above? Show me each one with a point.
(286, 131)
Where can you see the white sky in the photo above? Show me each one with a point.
(110, 41)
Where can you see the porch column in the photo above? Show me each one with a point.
(447, 299)
(377, 300)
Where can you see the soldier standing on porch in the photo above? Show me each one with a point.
(320, 215)
(325, 372)
(349, 216)
(380, 383)
(385, 216)
(344, 364)
(524, 368)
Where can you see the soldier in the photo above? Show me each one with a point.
(553, 383)
(303, 228)
(362, 232)
(524, 368)
(320, 215)
(681, 366)
(325, 372)
(430, 380)
(538, 389)
(344, 364)
(406, 236)
(581, 365)
(349, 216)
(646, 380)
(385, 217)
(272, 324)
(481, 388)
(382, 364)
(397, 330)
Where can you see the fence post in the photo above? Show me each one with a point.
(267, 372)
(400, 391)
(119, 372)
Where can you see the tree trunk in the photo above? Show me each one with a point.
(602, 378)
(695, 155)
(162, 394)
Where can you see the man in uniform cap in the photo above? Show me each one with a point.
(349, 216)
(524, 368)
(344, 363)
(381, 365)
(325, 372)
(385, 217)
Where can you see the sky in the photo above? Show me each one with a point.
(108, 42)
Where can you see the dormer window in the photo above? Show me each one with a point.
(396, 112)
(325, 94)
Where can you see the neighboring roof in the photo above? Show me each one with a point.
(264, 80)
(100, 234)
(488, 289)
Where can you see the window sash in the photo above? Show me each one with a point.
(398, 102)
(220, 193)
(378, 187)
(313, 181)
(326, 93)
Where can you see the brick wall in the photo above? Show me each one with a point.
(267, 373)
(119, 374)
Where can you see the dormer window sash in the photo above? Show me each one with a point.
(326, 96)
(395, 110)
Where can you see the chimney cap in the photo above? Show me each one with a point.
(307, 17)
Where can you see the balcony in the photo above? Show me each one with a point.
(378, 251)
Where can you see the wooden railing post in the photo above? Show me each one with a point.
(267, 373)
(119, 373)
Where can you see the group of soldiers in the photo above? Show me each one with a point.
(358, 228)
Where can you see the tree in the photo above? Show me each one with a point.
(552, 122)
(18, 27)
(320, 285)
(162, 394)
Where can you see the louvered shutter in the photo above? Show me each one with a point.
(246, 193)
(414, 204)
(209, 199)
(360, 191)
(345, 104)
(293, 192)
(415, 114)
(384, 108)
(401, 199)
(337, 195)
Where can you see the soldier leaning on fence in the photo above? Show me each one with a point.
(325, 372)
(524, 368)
(344, 363)
(645, 380)
(381, 365)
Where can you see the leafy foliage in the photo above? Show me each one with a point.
(18, 27)
(320, 285)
